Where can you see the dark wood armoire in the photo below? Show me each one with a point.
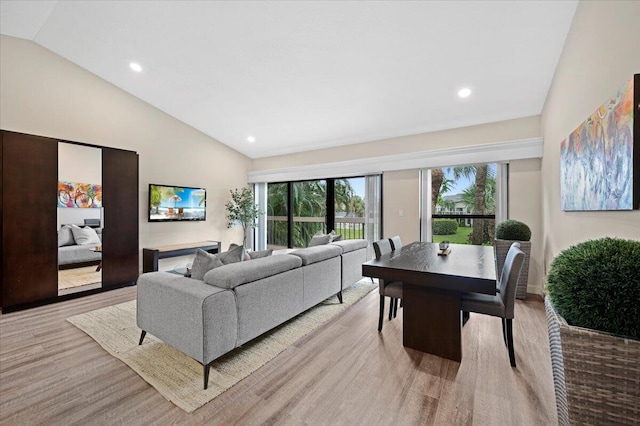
(28, 211)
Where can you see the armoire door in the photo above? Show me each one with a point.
(29, 238)
(120, 255)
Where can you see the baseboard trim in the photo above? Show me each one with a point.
(535, 296)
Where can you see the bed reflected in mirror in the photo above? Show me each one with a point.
(80, 218)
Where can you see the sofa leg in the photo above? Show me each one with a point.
(144, 333)
(381, 314)
(339, 296)
(206, 375)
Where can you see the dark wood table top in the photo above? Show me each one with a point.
(467, 268)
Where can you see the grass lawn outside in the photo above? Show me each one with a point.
(460, 237)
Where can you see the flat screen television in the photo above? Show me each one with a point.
(169, 203)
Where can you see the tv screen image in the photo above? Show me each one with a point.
(176, 203)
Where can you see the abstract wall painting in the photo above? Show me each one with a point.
(79, 195)
(599, 161)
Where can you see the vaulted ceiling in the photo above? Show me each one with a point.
(305, 75)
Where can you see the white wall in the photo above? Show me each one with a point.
(401, 188)
(601, 53)
(44, 94)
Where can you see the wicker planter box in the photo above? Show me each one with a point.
(596, 375)
(502, 247)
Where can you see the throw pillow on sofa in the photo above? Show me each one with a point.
(203, 263)
(235, 254)
(335, 237)
(65, 237)
(260, 253)
(319, 239)
(85, 235)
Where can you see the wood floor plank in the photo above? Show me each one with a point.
(344, 373)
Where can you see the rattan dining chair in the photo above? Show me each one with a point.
(393, 289)
(502, 304)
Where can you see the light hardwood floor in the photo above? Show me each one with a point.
(344, 373)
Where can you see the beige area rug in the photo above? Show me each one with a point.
(77, 277)
(177, 376)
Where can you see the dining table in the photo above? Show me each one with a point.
(432, 287)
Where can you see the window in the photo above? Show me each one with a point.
(295, 211)
(463, 203)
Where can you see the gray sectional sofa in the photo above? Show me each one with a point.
(78, 255)
(237, 302)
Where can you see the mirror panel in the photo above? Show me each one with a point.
(80, 218)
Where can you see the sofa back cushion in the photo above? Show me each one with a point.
(65, 237)
(85, 235)
(351, 245)
(315, 254)
(235, 274)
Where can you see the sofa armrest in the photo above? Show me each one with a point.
(193, 317)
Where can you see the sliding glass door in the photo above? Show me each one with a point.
(297, 210)
(309, 210)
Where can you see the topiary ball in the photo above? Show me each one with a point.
(596, 284)
(513, 230)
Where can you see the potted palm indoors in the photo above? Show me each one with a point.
(507, 233)
(593, 317)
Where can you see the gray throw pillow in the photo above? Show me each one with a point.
(65, 237)
(335, 237)
(203, 263)
(260, 253)
(235, 254)
(319, 240)
(85, 235)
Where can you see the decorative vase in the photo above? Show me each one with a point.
(502, 247)
(596, 375)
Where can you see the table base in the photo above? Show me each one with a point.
(432, 321)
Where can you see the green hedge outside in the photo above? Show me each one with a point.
(444, 227)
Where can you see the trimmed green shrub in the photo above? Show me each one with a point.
(513, 230)
(444, 227)
(596, 284)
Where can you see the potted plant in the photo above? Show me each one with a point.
(507, 233)
(242, 209)
(593, 317)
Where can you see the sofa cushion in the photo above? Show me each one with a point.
(260, 254)
(65, 237)
(86, 235)
(351, 245)
(335, 236)
(311, 255)
(203, 263)
(235, 274)
(233, 255)
(319, 239)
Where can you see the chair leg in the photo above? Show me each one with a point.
(381, 313)
(512, 355)
(504, 331)
(339, 296)
(390, 308)
(206, 375)
(395, 308)
(144, 333)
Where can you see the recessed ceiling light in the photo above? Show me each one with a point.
(464, 93)
(135, 66)
(251, 139)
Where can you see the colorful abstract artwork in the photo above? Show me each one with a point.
(79, 195)
(596, 160)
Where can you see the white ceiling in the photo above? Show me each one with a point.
(306, 75)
